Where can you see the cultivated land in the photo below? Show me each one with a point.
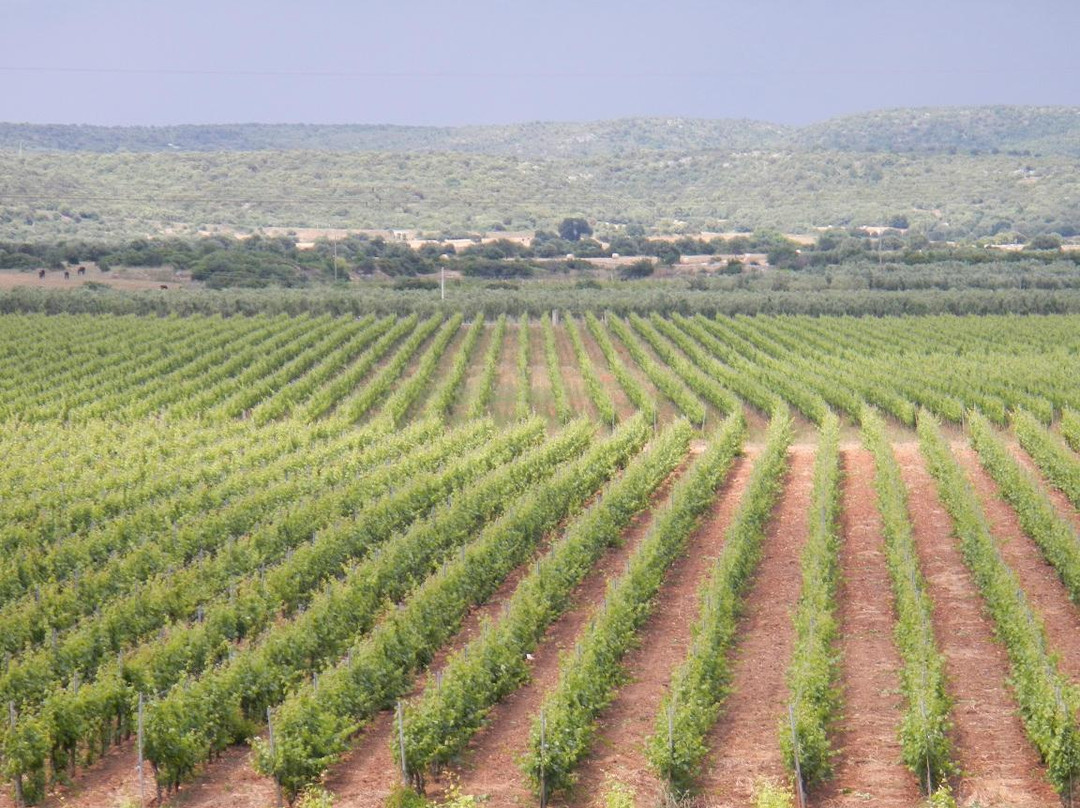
(585, 555)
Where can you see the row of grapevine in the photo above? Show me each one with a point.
(193, 722)
(410, 390)
(601, 398)
(588, 680)
(523, 401)
(77, 715)
(485, 390)
(454, 705)
(446, 392)
(1055, 537)
(745, 385)
(924, 731)
(697, 380)
(341, 385)
(1048, 704)
(1070, 428)
(814, 668)
(313, 725)
(328, 366)
(359, 402)
(554, 371)
(663, 377)
(634, 391)
(697, 691)
(107, 607)
(1061, 467)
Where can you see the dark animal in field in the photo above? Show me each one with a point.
(66, 274)
(164, 286)
(41, 273)
(81, 270)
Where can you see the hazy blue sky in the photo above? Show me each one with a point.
(492, 61)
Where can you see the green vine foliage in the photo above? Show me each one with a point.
(1054, 536)
(313, 725)
(589, 677)
(454, 705)
(1048, 702)
(698, 688)
(1061, 467)
(814, 668)
(924, 729)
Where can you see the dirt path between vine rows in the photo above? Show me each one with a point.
(1040, 582)
(576, 390)
(491, 769)
(624, 407)
(540, 395)
(869, 767)
(743, 745)
(618, 751)
(504, 396)
(1061, 502)
(1000, 768)
(365, 777)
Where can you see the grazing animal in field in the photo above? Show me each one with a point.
(81, 270)
(66, 274)
(164, 286)
(41, 273)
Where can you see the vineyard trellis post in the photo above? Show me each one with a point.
(400, 710)
(799, 792)
(273, 752)
(142, 777)
(18, 776)
(543, 759)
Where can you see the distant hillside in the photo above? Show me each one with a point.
(950, 173)
(525, 140)
(1035, 130)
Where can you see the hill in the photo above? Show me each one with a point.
(952, 173)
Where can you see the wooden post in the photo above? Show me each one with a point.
(401, 742)
(799, 793)
(543, 759)
(18, 777)
(142, 777)
(273, 753)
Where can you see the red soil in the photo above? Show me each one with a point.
(869, 762)
(1061, 502)
(364, 778)
(623, 406)
(618, 751)
(1040, 582)
(744, 742)
(576, 391)
(492, 769)
(504, 396)
(999, 766)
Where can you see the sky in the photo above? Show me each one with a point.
(441, 62)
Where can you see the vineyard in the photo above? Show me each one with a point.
(555, 559)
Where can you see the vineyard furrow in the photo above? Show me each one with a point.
(490, 766)
(998, 764)
(869, 760)
(618, 751)
(1040, 581)
(743, 744)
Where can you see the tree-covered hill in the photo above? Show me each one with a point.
(1038, 130)
(950, 173)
